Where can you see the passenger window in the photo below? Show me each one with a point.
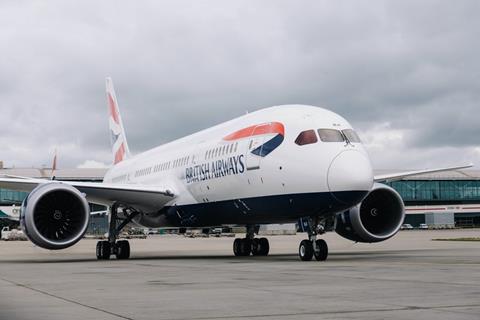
(330, 135)
(306, 137)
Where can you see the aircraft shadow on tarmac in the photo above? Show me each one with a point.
(293, 257)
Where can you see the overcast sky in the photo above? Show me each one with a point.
(406, 74)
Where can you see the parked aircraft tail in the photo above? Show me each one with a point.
(117, 132)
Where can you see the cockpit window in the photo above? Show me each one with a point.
(330, 135)
(306, 137)
(351, 135)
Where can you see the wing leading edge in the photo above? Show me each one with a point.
(146, 197)
(400, 175)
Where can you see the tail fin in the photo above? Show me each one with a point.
(117, 132)
(54, 166)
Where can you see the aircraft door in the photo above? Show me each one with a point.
(253, 157)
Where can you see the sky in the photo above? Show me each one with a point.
(405, 74)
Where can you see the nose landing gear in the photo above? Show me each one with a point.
(251, 245)
(312, 247)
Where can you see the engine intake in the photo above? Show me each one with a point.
(377, 218)
(55, 216)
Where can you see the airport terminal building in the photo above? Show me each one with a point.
(447, 198)
(453, 193)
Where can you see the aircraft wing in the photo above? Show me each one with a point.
(149, 197)
(399, 175)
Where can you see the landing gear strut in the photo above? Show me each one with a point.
(121, 248)
(251, 245)
(312, 247)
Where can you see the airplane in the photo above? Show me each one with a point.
(281, 164)
(10, 213)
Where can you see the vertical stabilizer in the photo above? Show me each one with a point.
(54, 166)
(117, 132)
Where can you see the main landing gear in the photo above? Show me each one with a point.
(120, 248)
(251, 245)
(312, 247)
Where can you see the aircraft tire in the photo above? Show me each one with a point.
(103, 250)
(321, 253)
(305, 250)
(256, 247)
(236, 247)
(123, 250)
(245, 247)
(264, 246)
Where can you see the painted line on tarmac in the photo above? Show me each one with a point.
(65, 299)
(317, 313)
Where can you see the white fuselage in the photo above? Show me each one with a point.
(217, 164)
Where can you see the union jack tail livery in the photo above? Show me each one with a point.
(118, 138)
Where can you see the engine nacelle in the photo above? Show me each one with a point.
(55, 216)
(378, 217)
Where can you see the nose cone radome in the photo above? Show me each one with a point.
(350, 176)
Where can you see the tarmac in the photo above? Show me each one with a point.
(172, 277)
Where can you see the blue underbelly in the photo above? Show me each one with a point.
(261, 210)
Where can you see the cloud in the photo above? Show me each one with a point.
(93, 164)
(182, 66)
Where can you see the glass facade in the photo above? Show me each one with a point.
(419, 192)
(9, 197)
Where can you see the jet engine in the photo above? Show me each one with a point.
(378, 217)
(55, 216)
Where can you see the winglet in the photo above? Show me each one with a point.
(117, 132)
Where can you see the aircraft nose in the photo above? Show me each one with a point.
(350, 176)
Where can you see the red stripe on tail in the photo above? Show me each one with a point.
(120, 154)
(113, 109)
